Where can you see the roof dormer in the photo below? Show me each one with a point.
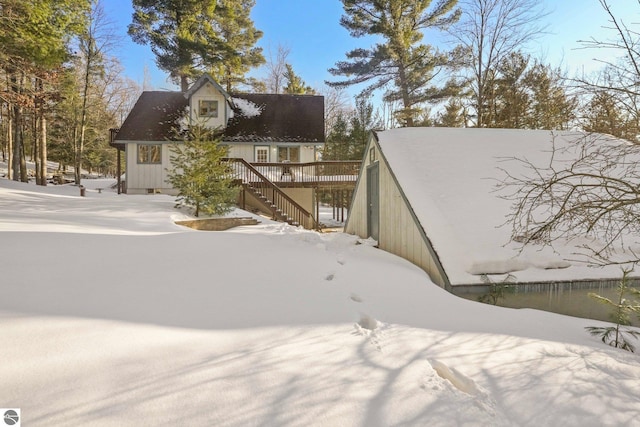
(209, 103)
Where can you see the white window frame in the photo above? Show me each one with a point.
(256, 153)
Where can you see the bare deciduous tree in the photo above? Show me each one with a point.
(336, 102)
(620, 77)
(589, 192)
(276, 67)
(98, 38)
(490, 30)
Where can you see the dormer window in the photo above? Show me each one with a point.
(208, 108)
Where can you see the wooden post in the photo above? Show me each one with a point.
(119, 171)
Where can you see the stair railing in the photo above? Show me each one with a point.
(245, 172)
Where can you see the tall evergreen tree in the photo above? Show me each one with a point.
(239, 37)
(511, 99)
(35, 40)
(181, 34)
(400, 63)
(526, 94)
(552, 107)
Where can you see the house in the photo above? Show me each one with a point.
(429, 195)
(255, 127)
(272, 142)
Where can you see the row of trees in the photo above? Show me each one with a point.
(486, 79)
(61, 90)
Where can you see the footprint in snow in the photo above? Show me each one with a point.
(368, 322)
(329, 277)
(355, 298)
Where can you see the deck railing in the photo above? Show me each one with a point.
(245, 172)
(327, 172)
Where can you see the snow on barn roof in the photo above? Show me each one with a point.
(449, 177)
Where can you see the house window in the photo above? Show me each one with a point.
(208, 108)
(149, 153)
(289, 154)
(261, 154)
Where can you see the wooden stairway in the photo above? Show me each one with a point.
(271, 197)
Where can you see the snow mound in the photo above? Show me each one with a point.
(512, 265)
(497, 267)
(457, 379)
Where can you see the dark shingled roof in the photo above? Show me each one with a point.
(154, 117)
(281, 118)
(286, 118)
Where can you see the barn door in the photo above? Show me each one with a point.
(373, 201)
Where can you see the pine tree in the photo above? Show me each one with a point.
(511, 99)
(616, 336)
(527, 95)
(337, 145)
(181, 34)
(202, 179)
(239, 36)
(604, 114)
(453, 115)
(400, 63)
(362, 123)
(295, 84)
(551, 106)
(349, 135)
(35, 40)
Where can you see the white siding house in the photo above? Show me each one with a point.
(255, 127)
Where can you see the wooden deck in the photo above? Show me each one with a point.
(319, 175)
(330, 181)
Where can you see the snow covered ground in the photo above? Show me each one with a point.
(112, 315)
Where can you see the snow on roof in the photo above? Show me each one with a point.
(449, 176)
(246, 107)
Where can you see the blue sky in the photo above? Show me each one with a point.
(311, 29)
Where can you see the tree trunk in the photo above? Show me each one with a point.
(17, 118)
(41, 155)
(184, 83)
(9, 142)
(83, 116)
(17, 142)
(406, 102)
